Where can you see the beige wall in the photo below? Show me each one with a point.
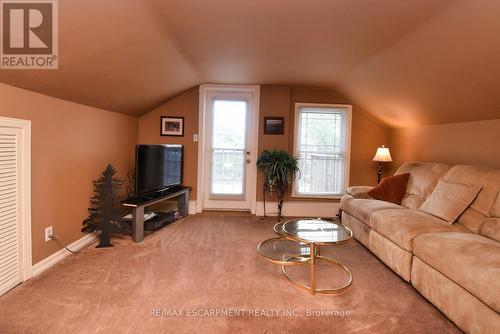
(275, 100)
(459, 143)
(71, 145)
(185, 105)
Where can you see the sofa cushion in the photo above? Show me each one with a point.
(487, 178)
(484, 206)
(472, 220)
(363, 208)
(472, 261)
(423, 178)
(449, 200)
(402, 226)
(359, 191)
(459, 305)
(491, 228)
(391, 189)
(495, 210)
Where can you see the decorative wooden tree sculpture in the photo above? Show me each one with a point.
(105, 212)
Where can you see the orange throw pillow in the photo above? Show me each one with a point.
(391, 189)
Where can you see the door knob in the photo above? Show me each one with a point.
(248, 161)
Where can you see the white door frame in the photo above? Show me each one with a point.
(24, 190)
(202, 164)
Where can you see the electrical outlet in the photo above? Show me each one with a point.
(48, 233)
(195, 137)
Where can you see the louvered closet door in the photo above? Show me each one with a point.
(10, 227)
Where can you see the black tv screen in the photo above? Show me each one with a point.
(157, 167)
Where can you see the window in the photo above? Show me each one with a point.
(322, 140)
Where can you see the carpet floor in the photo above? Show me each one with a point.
(203, 274)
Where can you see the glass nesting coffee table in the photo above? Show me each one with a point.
(299, 243)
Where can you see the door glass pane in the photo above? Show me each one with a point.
(228, 147)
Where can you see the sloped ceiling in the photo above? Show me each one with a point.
(408, 62)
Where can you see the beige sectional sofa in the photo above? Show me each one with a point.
(455, 266)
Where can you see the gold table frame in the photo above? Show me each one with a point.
(311, 259)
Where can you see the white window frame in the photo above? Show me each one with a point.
(347, 145)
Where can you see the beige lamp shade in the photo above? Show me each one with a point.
(382, 155)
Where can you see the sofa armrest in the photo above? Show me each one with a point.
(359, 191)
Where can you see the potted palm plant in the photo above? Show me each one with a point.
(280, 170)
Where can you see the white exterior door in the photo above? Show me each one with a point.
(229, 172)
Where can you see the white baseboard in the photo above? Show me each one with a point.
(290, 208)
(300, 209)
(48, 262)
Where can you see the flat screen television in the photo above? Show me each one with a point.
(157, 167)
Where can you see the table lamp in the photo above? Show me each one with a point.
(382, 155)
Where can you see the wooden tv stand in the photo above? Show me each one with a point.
(139, 203)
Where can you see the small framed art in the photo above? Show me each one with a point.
(274, 125)
(172, 126)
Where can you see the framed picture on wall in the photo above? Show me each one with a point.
(274, 125)
(172, 126)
